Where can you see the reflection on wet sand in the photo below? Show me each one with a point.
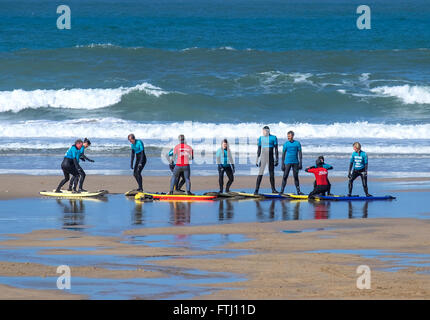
(137, 214)
(321, 209)
(226, 210)
(74, 212)
(365, 210)
(180, 212)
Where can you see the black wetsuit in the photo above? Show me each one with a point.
(268, 154)
(138, 165)
(70, 166)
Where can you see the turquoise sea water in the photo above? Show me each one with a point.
(230, 67)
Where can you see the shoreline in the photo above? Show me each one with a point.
(28, 186)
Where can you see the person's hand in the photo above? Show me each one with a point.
(276, 162)
(283, 167)
(90, 160)
(349, 175)
(232, 167)
(257, 164)
(131, 167)
(300, 166)
(365, 174)
(171, 166)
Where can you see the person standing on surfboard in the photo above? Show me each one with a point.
(225, 164)
(183, 154)
(267, 145)
(70, 164)
(181, 180)
(358, 164)
(291, 159)
(138, 151)
(320, 171)
(82, 175)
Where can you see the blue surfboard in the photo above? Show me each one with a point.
(354, 198)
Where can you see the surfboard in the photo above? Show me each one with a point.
(296, 196)
(71, 194)
(131, 193)
(354, 198)
(176, 197)
(343, 198)
(249, 195)
(274, 195)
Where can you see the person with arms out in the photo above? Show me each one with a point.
(328, 167)
(182, 154)
(291, 159)
(225, 164)
(181, 180)
(358, 164)
(70, 165)
(267, 155)
(321, 178)
(138, 151)
(82, 174)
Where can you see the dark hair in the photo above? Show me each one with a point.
(181, 138)
(321, 158)
(320, 161)
(78, 141)
(266, 128)
(290, 132)
(131, 136)
(87, 141)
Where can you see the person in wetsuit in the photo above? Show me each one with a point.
(321, 178)
(328, 167)
(82, 175)
(291, 159)
(225, 164)
(70, 164)
(138, 152)
(358, 164)
(183, 154)
(267, 146)
(181, 180)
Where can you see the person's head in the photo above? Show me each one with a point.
(266, 131)
(131, 138)
(181, 138)
(290, 135)
(356, 146)
(320, 161)
(78, 143)
(224, 144)
(87, 143)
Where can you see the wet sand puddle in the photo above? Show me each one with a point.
(394, 261)
(175, 283)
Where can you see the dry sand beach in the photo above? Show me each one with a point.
(313, 259)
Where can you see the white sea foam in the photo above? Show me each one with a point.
(18, 99)
(112, 128)
(406, 93)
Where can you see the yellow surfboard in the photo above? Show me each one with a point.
(71, 194)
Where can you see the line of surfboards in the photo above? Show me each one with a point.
(210, 196)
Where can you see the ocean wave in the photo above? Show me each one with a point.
(19, 99)
(406, 93)
(119, 129)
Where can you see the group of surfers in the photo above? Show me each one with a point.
(181, 156)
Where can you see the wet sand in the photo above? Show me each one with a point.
(276, 265)
(25, 186)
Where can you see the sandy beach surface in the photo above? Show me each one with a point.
(297, 259)
(273, 264)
